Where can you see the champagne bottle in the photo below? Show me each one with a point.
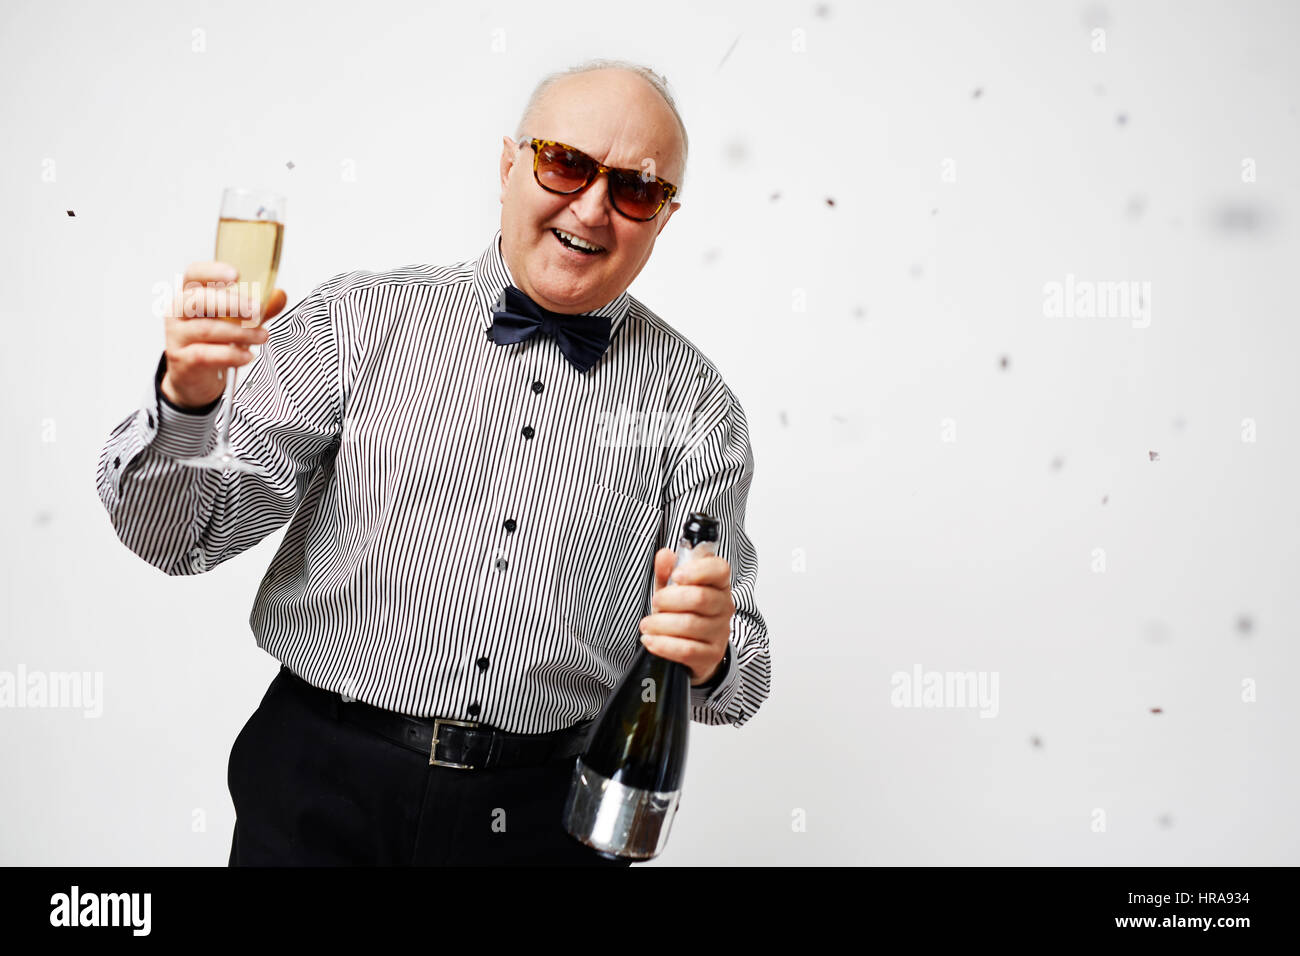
(626, 786)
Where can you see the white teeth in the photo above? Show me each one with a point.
(582, 243)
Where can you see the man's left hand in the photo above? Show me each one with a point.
(690, 619)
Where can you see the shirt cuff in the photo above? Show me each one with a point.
(182, 432)
(700, 693)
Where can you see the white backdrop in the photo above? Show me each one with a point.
(916, 504)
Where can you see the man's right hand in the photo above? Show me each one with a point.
(200, 346)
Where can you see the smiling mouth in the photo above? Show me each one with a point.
(571, 242)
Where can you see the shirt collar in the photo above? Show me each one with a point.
(491, 275)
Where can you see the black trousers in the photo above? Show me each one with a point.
(312, 790)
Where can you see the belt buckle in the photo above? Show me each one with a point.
(433, 748)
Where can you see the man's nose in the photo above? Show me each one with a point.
(591, 205)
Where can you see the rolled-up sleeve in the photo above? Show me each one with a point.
(714, 476)
(286, 417)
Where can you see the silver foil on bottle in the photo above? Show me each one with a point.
(616, 819)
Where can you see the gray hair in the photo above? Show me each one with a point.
(654, 79)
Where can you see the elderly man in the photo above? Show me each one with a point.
(471, 545)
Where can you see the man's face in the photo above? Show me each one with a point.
(618, 119)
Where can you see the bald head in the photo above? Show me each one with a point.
(635, 93)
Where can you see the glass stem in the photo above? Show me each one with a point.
(223, 439)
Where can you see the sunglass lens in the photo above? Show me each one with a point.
(637, 197)
(563, 170)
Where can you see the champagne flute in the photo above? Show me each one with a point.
(250, 233)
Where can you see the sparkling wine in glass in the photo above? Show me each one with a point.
(250, 234)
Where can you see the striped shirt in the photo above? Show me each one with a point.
(471, 526)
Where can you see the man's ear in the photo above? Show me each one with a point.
(672, 208)
(509, 151)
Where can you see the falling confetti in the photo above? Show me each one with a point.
(1036, 742)
(1156, 632)
(822, 10)
(71, 213)
(728, 53)
(774, 197)
(979, 91)
(916, 270)
(289, 164)
(859, 312)
(1165, 820)
(43, 518)
(1236, 218)
(785, 421)
(710, 255)
(1105, 498)
(1004, 362)
(1095, 15)
(1153, 456)
(830, 201)
(1121, 119)
(934, 212)
(261, 211)
(1157, 710)
(1136, 206)
(1057, 463)
(736, 152)
(1245, 625)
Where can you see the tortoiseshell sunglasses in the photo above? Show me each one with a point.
(565, 170)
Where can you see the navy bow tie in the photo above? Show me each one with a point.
(582, 338)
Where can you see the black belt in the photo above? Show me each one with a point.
(463, 744)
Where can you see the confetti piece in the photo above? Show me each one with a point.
(859, 312)
(1156, 632)
(71, 213)
(1105, 498)
(736, 152)
(1153, 456)
(1157, 710)
(785, 422)
(289, 164)
(728, 53)
(710, 255)
(42, 518)
(830, 201)
(1165, 820)
(979, 91)
(1240, 218)
(916, 270)
(1004, 362)
(822, 10)
(1136, 206)
(1036, 742)
(1121, 119)
(934, 212)
(1057, 463)
(1244, 624)
(774, 197)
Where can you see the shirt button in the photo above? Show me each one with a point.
(482, 663)
(488, 332)
(149, 418)
(510, 524)
(528, 431)
(117, 462)
(502, 564)
(473, 709)
(537, 387)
